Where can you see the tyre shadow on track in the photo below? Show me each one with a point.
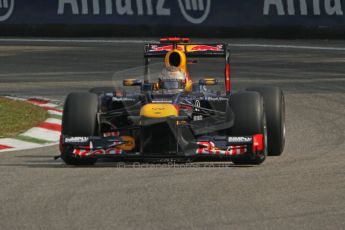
(49, 162)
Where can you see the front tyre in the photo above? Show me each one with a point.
(79, 120)
(275, 114)
(250, 119)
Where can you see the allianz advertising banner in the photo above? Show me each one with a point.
(224, 13)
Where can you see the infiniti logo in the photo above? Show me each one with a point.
(6, 9)
(187, 6)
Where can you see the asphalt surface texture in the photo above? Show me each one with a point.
(302, 189)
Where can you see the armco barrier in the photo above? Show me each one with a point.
(202, 17)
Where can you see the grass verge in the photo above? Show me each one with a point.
(18, 116)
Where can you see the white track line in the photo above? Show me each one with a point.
(289, 47)
(54, 73)
(75, 40)
(130, 41)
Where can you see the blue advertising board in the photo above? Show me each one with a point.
(198, 13)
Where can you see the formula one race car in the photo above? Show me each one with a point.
(165, 115)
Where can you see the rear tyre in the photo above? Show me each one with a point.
(250, 119)
(80, 120)
(275, 114)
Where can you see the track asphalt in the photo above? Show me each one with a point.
(302, 189)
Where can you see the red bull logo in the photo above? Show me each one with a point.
(201, 48)
(157, 48)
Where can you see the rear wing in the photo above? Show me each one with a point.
(191, 50)
(194, 50)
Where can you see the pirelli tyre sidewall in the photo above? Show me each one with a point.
(79, 120)
(275, 115)
(248, 108)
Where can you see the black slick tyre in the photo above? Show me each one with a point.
(250, 119)
(275, 115)
(79, 120)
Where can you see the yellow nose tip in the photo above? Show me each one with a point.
(158, 110)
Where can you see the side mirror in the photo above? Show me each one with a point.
(132, 82)
(208, 81)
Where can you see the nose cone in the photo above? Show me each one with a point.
(158, 111)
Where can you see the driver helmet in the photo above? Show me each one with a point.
(172, 78)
